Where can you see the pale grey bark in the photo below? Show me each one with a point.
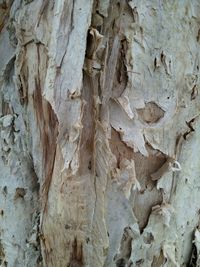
(100, 132)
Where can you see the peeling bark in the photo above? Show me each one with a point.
(99, 123)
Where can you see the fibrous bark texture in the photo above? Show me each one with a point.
(100, 133)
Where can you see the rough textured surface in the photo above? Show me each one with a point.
(99, 107)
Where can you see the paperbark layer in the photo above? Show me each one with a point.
(99, 133)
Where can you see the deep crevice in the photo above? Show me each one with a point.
(77, 259)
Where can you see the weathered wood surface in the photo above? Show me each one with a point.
(100, 133)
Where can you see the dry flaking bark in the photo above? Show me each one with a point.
(99, 133)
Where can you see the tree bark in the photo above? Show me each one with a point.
(99, 133)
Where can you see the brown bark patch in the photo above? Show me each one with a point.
(19, 193)
(119, 148)
(48, 126)
(159, 260)
(152, 113)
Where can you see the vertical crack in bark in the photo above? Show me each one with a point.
(77, 259)
(88, 131)
(87, 145)
(89, 120)
(121, 78)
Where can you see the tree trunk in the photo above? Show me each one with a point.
(100, 133)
